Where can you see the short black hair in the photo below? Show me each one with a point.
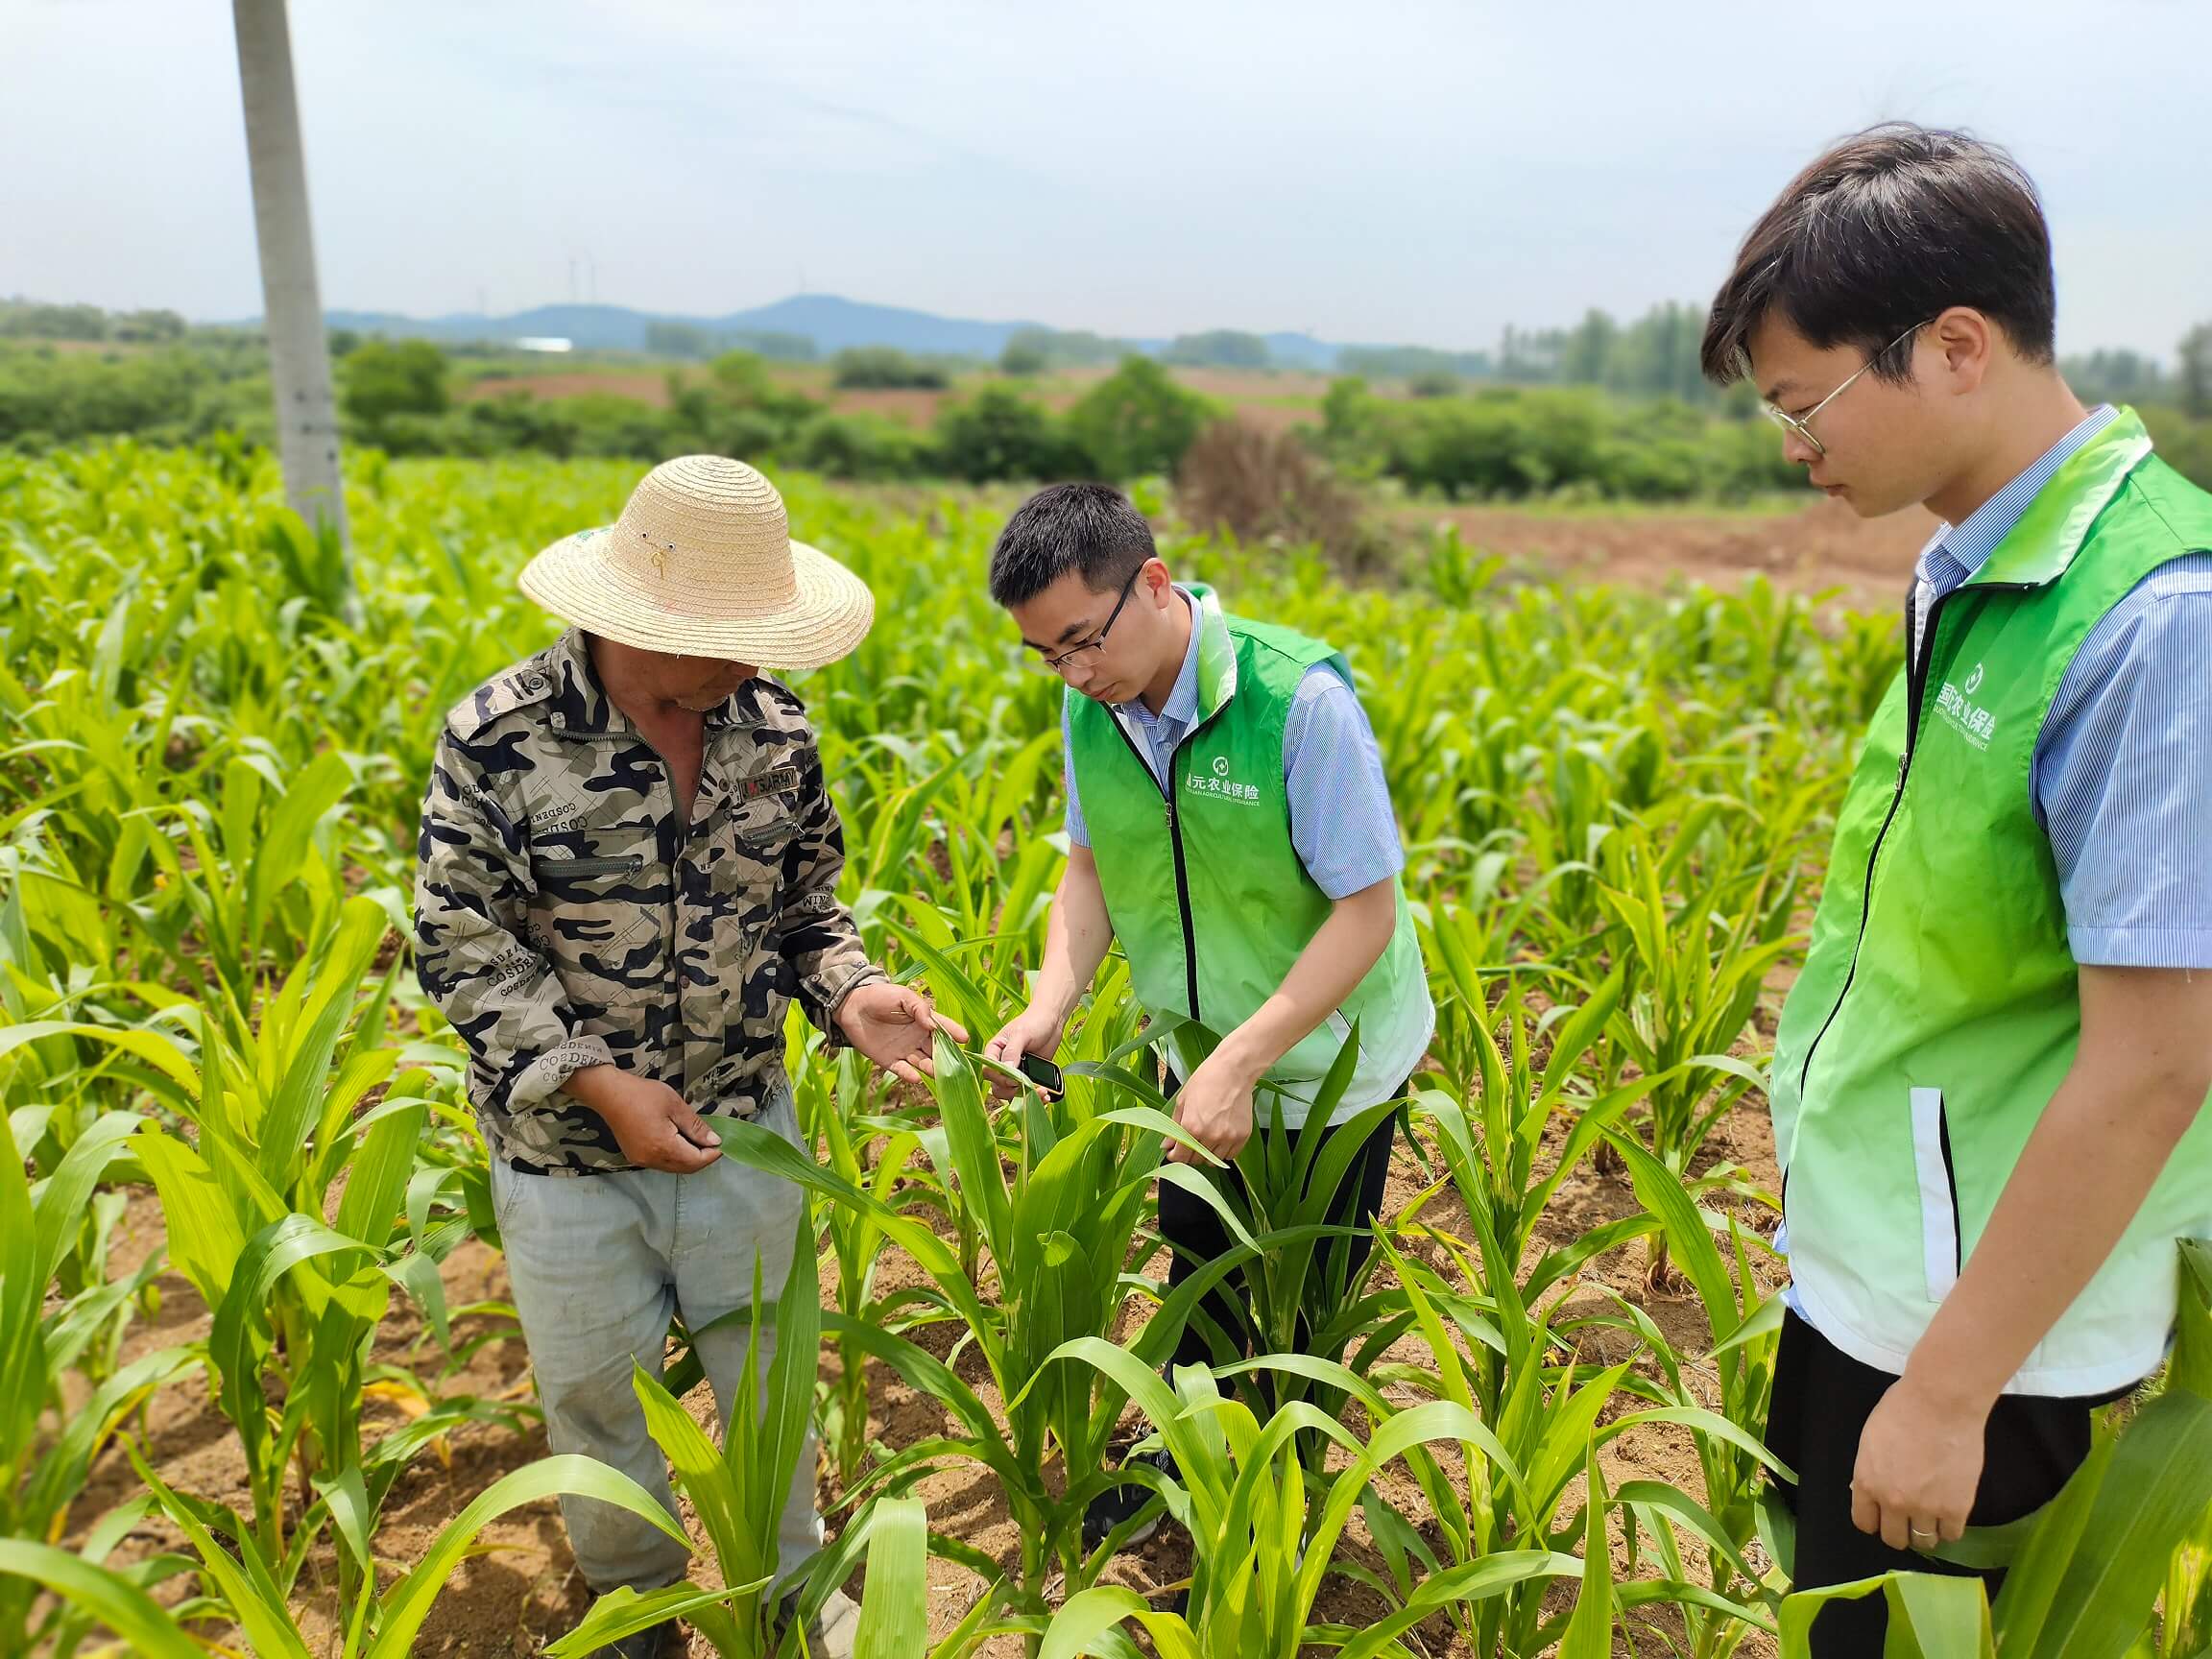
(1090, 528)
(1890, 228)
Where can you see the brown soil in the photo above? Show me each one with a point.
(913, 408)
(521, 1589)
(1821, 545)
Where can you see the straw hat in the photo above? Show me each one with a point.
(701, 564)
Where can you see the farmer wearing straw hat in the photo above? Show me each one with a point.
(628, 867)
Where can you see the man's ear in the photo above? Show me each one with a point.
(1967, 340)
(1158, 581)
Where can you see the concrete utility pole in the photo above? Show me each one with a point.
(291, 307)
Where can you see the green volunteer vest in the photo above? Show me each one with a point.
(1204, 885)
(1938, 1009)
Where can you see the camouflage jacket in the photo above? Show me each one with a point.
(565, 917)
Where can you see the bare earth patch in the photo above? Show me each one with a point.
(1821, 545)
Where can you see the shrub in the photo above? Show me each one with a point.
(1001, 434)
(876, 367)
(1267, 486)
(859, 444)
(1137, 421)
(388, 377)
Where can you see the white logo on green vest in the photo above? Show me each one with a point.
(1220, 786)
(1969, 719)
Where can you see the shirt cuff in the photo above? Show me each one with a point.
(826, 992)
(538, 1082)
(2141, 946)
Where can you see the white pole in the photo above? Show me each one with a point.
(298, 353)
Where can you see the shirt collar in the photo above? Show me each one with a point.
(1955, 553)
(1181, 706)
(581, 707)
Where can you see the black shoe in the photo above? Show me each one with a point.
(665, 1641)
(1117, 1503)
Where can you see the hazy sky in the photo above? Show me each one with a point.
(1368, 170)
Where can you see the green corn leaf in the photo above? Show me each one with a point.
(1590, 1631)
(626, 1612)
(106, 1594)
(2142, 1503)
(894, 1615)
(58, 1204)
(408, 1603)
(23, 1380)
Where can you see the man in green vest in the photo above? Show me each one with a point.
(1230, 824)
(1989, 1079)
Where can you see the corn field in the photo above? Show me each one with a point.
(1538, 1428)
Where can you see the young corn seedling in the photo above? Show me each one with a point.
(1298, 1290)
(1058, 1212)
(44, 1467)
(739, 1491)
(1262, 1543)
(1745, 1329)
(245, 1586)
(1694, 975)
(274, 1107)
(1490, 1140)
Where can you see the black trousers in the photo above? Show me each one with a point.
(1823, 1399)
(1195, 1234)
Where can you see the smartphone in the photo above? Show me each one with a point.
(1041, 1073)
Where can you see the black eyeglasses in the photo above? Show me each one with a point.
(1097, 641)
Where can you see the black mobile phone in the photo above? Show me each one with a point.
(1041, 1073)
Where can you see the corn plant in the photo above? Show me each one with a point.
(739, 1491)
(265, 876)
(246, 1587)
(1261, 1548)
(828, 1100)
(895, 1615)
(274, 1105)
(1533, 1422)
(1746, 1329)
(1298, 1290)
(1491, 1139)
(1059, 1219)
(1693, 974)
(44, 1466)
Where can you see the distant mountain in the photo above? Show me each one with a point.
(1301, 352)
(833, 323)
(593, 327)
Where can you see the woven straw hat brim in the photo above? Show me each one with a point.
(829, 616)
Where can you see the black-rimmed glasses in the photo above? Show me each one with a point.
(1097, 641)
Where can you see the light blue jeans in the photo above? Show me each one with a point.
(599, 1264)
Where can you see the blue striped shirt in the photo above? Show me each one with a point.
(2122, 775)
(1341, 822)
